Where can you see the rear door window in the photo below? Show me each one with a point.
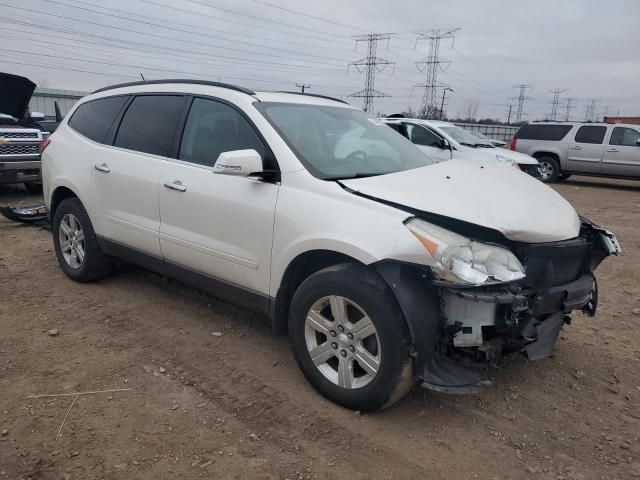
(553, 133)
(94, 119)
(149, 124)
(591, 134)
(626, 137)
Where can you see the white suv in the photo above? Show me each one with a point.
(384, 267)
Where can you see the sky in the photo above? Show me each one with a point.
(588, 48)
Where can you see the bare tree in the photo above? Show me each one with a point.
(43, 83)
(471, 110)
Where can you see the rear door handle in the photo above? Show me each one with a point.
(177, 185)
(612, 150)
(576, 147)
(103, 167)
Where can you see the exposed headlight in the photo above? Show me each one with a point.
(461, 260)
(503, 159)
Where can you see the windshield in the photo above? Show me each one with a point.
(336, 142)
(462, 136)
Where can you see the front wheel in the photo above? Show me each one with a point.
(350, 339)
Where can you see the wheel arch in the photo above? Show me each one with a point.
(546, 153)
(59, 194)
(298, 269)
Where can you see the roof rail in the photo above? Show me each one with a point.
(326, 97)
(178, 80)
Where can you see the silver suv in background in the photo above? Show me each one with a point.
(595, 149)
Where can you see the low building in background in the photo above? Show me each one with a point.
(43, 100)
(627, 120)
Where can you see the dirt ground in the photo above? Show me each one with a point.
(234, 404)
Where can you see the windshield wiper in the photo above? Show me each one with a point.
(354, 175)
(472, 145)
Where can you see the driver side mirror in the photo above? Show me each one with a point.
(444, 144)
(37, 116)
(638, 142)
(239, 163)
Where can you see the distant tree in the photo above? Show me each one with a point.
(43, 83)
(471, 111)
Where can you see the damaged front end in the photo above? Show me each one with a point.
(458, 328)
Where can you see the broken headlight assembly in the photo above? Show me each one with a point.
(464, 261)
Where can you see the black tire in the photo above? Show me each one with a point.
(563, 176)
(34, 188)
(552, 169)
(394, 377)
(95, 265)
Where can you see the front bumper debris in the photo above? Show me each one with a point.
(36, 214)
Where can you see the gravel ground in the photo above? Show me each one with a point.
(209, 393)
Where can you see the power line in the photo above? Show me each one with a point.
(180, 30)
(522, 98)
(431, 65)
(295, 12)
(244, 34)
(164, 37)
(370, 65)
(127, 42)
(229, 10)
(236, 22)
(553, 115)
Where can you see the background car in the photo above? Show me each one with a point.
(595, 149)
(445, 141)
(493, 141)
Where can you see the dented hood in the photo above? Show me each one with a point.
(15, 93)
(493, 195)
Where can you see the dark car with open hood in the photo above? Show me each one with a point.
(20, 133)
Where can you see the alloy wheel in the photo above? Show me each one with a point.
(71, 238)
(342, 342)
(546, 171)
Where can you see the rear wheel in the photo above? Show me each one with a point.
(549, 169)
(76, 245)
(350, 339)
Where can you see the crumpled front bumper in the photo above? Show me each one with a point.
(455, 329)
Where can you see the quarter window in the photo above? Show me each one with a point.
(627, 137)
(591, 134)
(94, 119)
(213, 128)
(149, 123)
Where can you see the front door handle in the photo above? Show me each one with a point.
(612, 150)
(103, 167)
(177, 185)
(576, 147)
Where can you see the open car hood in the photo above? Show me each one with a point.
(15, 93)
(493, 195)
